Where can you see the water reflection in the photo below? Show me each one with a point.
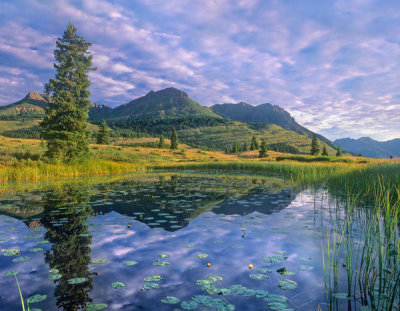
(65, 212)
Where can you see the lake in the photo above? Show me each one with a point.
(169, 242)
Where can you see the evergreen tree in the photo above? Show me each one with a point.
(360, 155)
(338, 152)
(161, 142)
(314, 145)
(254, 144)
(174, 139)
(226, 150)
(263, 149)
(324, 151)
(64, 126)
(103, 138)
(235, 147)
(244, 146)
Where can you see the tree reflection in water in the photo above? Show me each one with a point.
(66, 212)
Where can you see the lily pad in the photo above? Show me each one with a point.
(9, 273)
(201, 256)
(162, 256)
(279, 252)
(36, 298)
(54, 270)
(100, 262)
(150, 285)
(154, 278)
(214, 278)
(287, 284)
(274, 259)
(55, 276)
(118, 285)
(96, 306)
(303, 259)
(188, 246)
(305, 268)
(21, 259)
(189, 305)
(36, 249)
(170, 300)
(258, 276)
(11, 252)
(264, 270)
(130, 263)
(343, 296)
(161, 263)
(77, 280)
(284, 272)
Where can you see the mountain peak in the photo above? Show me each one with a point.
(34, 96)
(169, 92)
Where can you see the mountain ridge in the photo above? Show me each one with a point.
(370, 147)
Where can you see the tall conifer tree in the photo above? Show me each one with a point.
(324, 151)
(314, 145)
(103, 138)
(174, 139)
(65, 123)
(263, 149)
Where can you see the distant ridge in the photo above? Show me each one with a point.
(264, 113)
(30, 107)
(371, 148)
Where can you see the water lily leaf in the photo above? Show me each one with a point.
(170, 300)
(100, 262)
(276, 298)
(342, 296)
(36, 298)
(303, 259)
(96, 306)
(274, 259)
(214, 278)
(150, 285)
(12, 252)
(162, 256)
(22, 258)
(278, 306)
(161, 263)
(130, 263)
(9, 273)
(264, 270)
(55, 276)
(77, 280)
(258, 276)
(36, 249)
(284, 272)
(287, 284)
(201, 256)
(154, 278)
(54, 270)
(118, 285)
(189, 305)
(279, 252)
(42, 242)
(188, 246)
(305, 268)
(260, 293)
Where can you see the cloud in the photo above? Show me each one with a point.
(332, 64)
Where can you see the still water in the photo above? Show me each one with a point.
(170, 242)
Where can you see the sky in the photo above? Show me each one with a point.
(333, 64)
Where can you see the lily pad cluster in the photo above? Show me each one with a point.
(151, 282)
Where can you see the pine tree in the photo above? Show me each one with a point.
(244, 146)
(314, 145)
(338, 152)
(226, 150)
(235, 147)
(174, 139)
(254, 144)
(263, 149)
(161, 142)
(64, 126)
(103, 138)
(324, 151)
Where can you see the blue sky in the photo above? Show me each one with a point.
(334, 65)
